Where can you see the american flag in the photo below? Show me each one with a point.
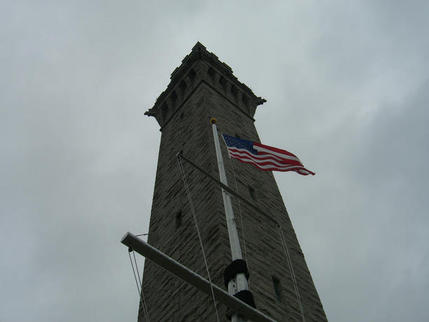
(264, 157)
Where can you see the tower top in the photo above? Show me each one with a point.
(200, 66)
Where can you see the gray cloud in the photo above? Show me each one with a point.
(347, 88)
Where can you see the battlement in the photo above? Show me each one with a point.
(202, 66)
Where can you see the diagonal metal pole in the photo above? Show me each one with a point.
(193, 278)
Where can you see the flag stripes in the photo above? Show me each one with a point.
(264, 157)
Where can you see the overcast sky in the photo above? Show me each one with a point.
(347, 85)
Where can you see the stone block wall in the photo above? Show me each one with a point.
(202, 87)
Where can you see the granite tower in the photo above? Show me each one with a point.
(200, 88)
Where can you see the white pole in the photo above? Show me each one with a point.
(239, 283)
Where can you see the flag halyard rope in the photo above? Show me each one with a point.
(292, 273)
(138, 284)
(191, 204)
(141, 288)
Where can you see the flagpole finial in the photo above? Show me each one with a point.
(213, 120)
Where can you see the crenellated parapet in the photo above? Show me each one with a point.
(197, 68)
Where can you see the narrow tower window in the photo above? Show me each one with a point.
(277, 288)
(183, 87)
(211, 73)
(222, 82)
(192, 75)
(173, 98)
(234, 91)
(244, 99)
(252, 192)
(178, 219)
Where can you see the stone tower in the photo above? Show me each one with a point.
(200, 88)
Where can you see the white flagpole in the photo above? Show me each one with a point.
(239, 283)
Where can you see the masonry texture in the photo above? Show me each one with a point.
(204, 87)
